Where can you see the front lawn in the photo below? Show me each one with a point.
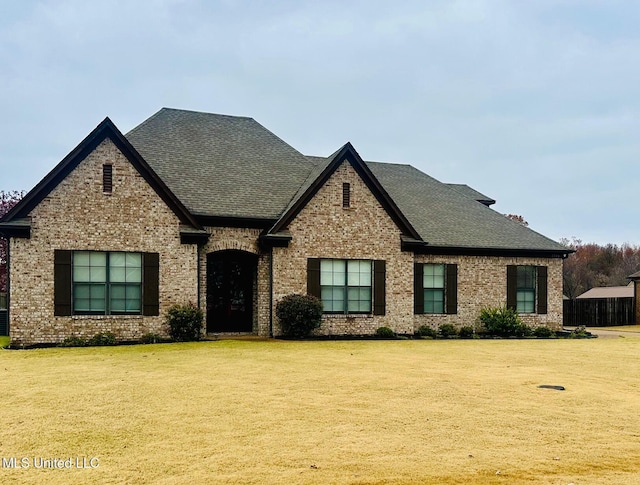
(414, 411)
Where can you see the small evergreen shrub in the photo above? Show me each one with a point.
(385, 332)
(503, 322)
(447, 330)
(102, 339)
(151, 338)
(185, 322)
(543, 332)
(73, 342)
(426, 331)
(467, 332)
(299, 315)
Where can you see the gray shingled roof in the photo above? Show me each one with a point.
(473, 193)
(219, 165)
(231, 166)
(446, 217)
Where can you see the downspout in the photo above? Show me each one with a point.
(198, 274)
(271, 292)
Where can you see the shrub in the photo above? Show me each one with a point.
(467, 332)
(543, 332)
(426, 331)
(503, 322)
(185, 322)
(151, 338)
(101, 339)
(73, 342)
(447, 330)
(299, 314)
(385, 332)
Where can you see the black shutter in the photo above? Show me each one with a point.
(541, 290)
(151, 285)
(512, 286)
(379, 287)
(313, 277)
(451, 298)
(62, 282)
(418, 289)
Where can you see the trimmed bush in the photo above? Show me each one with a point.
(467, 332)
(102, 339)
(185, 322)
(426, 331)
(299, 315)
(447, 330)
(543, 332)
(385, 332)
(151, 338)
(73, 342)
(503, 322)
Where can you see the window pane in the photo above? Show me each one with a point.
(81, 258)
(117, 292)
(81, 273)
(117, 259)
(98, 259)
(98, 274)
(526, 300)
(134, 275)
(117, 275)
(134, 260)
(433, 301)
(433, 276)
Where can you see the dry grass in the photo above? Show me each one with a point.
(362, 412)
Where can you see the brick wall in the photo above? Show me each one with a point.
(482, 281)
(76, 215)
(324, 229)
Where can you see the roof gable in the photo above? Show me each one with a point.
(106, 129)
(322, 174)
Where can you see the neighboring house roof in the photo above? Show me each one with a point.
(608, 292)
(221, 166)
(474, 194)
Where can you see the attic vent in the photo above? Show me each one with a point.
(346, 194)
(107, 179)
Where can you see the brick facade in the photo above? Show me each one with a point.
(77, 215)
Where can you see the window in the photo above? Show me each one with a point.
(433, 284)
(348, 286)
(346, 194)
(106, 283)
(527, 288)
(345, 285)
(435, 288)
(107, 178)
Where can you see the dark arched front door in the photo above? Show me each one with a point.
(230, 279)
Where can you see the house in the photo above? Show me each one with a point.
(218, 211)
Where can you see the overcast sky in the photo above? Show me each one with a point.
(533, 103)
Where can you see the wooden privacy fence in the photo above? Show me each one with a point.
(599, 312)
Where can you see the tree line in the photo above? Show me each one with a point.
(594, 265)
